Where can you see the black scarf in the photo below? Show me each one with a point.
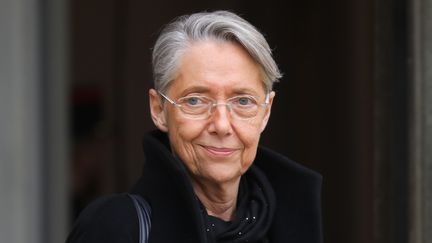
(256, 205)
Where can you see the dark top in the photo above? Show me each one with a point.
(177, 214)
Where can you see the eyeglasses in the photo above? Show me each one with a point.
(198, 107)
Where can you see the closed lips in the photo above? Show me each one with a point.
(219, 151)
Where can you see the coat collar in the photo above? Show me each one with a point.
(165, 185)
(176, 213)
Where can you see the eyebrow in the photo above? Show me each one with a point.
(195, 89)
(207, 90)
(246, 91)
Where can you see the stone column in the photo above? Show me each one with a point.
(33, 139)
(421, 124)
(55, 109)
(20, 123)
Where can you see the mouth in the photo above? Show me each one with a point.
(220, 152)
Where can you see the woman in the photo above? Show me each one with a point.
(205, 177)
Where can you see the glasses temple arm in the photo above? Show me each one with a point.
(168, 99)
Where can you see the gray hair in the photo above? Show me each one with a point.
(219, 25)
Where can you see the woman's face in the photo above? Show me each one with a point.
(220, 148)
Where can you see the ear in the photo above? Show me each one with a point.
(157, 110)
(268, 111)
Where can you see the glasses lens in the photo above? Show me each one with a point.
(200, 107)
(244, 107)
(197, 106)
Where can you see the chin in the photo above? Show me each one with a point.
(223, 176)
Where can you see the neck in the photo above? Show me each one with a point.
(220, 200)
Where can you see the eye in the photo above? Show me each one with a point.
(244, 101)
(193, 100)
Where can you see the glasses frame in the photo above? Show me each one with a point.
(213, 105)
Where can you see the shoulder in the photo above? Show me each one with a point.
(298, 193)
(275, 164)
(292, 182)
(107, 219)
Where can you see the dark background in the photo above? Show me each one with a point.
(340, 108)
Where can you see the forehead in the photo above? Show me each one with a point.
(217, 68)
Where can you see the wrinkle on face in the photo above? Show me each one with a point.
(219, 71)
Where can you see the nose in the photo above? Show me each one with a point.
(220, 123)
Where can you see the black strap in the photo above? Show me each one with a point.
(144, 212)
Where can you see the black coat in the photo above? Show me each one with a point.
(176, 215)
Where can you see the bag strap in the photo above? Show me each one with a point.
(144, 212)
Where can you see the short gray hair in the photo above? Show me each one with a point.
(219, 25)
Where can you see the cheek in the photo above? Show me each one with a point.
(249, 135)
(182, 133)
(185, 130)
